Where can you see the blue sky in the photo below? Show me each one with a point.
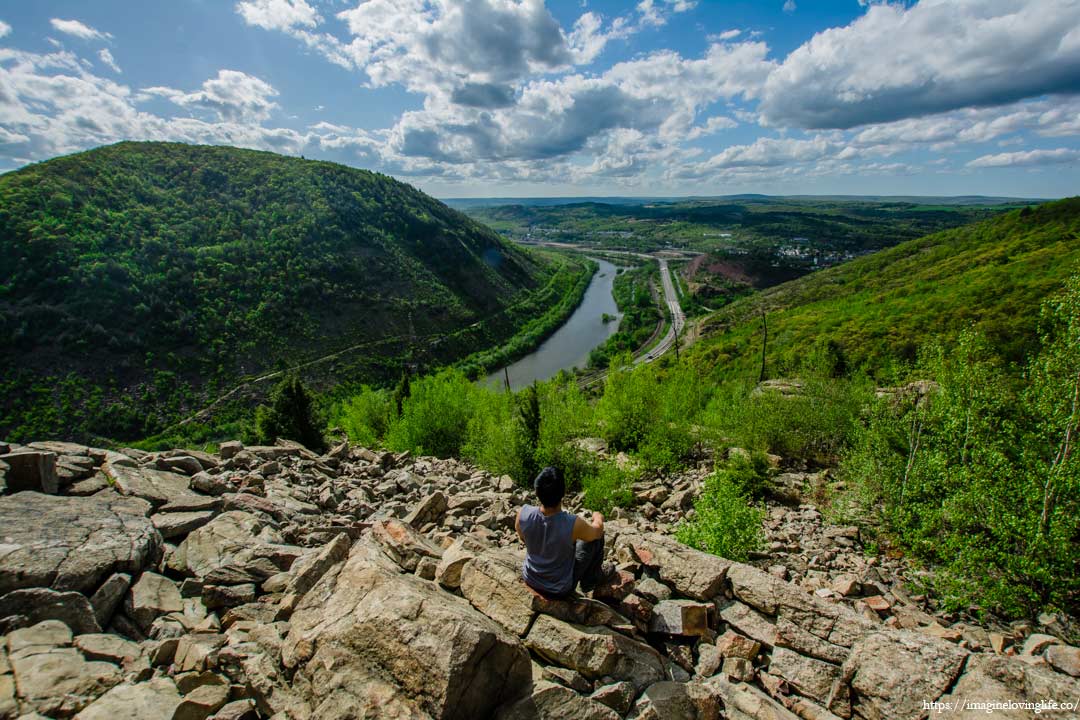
(467, 98)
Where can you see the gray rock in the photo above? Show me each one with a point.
(429, 510)
(51, 678)
(996, 678)
(202, 702)
(680, 617)
(229, 542)
(179, 524)
(890, 674)
(229, 449)
(216, 597)
(38, 604)
(107, 598)
(107, 647)
(692, 573)
(72, 543)
(369, 637)
(157, 698)
(32, 471)
(304, 579)
(157, 487)
(595, 652)
(810, 677)
(454, 559)
(403, 544)
(550, 701)
(618, 696)
(1064, 658)
(151, 596)
(668, 700)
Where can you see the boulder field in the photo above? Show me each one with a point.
(271, 582)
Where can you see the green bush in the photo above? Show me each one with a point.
(981, 477)
(496, 439)
(725, 523)
(291, 415)
(367, 416)
(436, 415)
(607, 487)
(815, 424)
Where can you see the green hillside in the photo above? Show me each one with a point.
(993, 275)
(142, 279)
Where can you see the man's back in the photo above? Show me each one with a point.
(549, 544)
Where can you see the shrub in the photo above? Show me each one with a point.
(725, 523)
(982, 478)
(367, 416)
(608, 487)
(495, 438)
(291, 415)
(815, 424)
(435, 416)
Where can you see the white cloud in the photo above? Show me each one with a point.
(278, 14)
(712, 125)
(789, 6)
(107, 60)
(5, 29)
(78, 29)
(655, 12)
(659, 95)
(233, 96)
(1028, 158)
(895, 62)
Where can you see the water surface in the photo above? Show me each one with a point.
(570, 345)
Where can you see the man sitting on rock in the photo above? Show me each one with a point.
(561, 549)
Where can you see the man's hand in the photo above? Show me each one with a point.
(589, 531)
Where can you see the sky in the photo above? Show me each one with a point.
(480, 98)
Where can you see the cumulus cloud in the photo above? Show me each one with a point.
(233, 96)
(896, 62)
(1027, 158)
(5, 29)
(789, 6)
(660, 94)
(278, 14)
(656, 12)
(78, 29)
(108, 61)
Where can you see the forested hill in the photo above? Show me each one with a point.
(869, 312)
(140, 278)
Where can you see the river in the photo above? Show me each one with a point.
(570, 345)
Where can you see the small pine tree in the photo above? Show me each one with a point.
(291, 415)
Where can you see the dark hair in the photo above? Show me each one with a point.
(549, 487)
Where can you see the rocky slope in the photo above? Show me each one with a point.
(271, 582)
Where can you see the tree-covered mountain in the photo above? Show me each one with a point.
(140, 279)
(879, 309)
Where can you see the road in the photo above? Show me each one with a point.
(678, 321)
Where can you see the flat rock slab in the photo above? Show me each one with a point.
(368, 641)
(72, 543)
(157, 487)
(693, 573)
(177, 524)
(549, 701)
(890, 674)
(228, 542)
(38, 604)
(158, 698)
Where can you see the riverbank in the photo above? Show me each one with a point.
(596, 318)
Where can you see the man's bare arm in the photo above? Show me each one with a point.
(517, 525)
(587, 531)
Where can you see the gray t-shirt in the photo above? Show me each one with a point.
(549, 550)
